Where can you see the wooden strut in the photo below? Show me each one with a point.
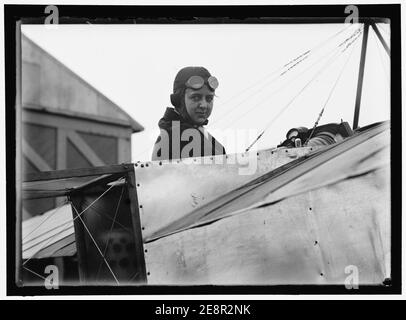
(361, 75)
(378, 33)
(79, 241)
(362, 65)
(141, 277)
(80, 172)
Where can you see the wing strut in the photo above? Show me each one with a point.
(361, 75)
(362, 66)
(378, 33)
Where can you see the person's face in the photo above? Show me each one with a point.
(199, 103)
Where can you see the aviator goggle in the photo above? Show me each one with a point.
(197, 82)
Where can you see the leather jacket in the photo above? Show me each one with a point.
(181, 139)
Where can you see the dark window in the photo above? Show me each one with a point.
(75, 159)
(103, 146)
(43, 140)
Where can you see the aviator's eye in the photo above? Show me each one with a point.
(195, 97)
(209, 98)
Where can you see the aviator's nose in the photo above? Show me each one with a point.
(203, 104)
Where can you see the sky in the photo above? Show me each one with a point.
(134, 66)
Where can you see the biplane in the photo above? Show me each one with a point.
(316, 205)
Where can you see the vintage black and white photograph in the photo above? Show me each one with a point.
(193, 151)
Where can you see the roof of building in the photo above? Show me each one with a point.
(54, 88)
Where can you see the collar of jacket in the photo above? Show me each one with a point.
(171, 115)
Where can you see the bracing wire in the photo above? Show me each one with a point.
(34, 273)
(279, 69)
(305, 55)
(111, 229)
(42, 222)
(42, 247)
(302, 57)
(102, 214)
(330, 94)
(267, 83)
(133, 276)
(51, 238)
(96, 245)
(229, 120)
(65, 226)
(269, 96)
(379, 48)
(387, 41)
(260, 89)
(294, 98)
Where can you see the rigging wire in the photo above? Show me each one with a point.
(51, 238)
(111, 229)
(46, 219)
(133, 276)
(100, 213)
(235, 107)
(307, 54)
(330, 95)
(96, 245)
(289, 81)
(294, 98)
(267, 83)
(44, 245)
(381, 58)
(34, 273)
(320, 44)
(279, 69)
(65, 226)
(269, 96)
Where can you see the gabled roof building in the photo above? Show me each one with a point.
(66, 123)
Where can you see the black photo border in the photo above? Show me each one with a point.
(72, 14)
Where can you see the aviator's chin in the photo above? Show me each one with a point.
(200, 119)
